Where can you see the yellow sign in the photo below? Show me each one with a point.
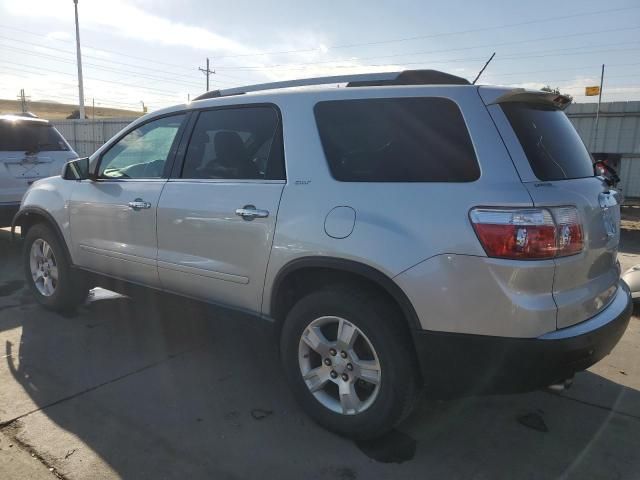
(591, 91)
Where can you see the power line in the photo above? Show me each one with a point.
(435, 35)
(102, 50)
(585, 67)
(38, 45)
(428, 52)
(380, 42)
(101, 67)
(438, 61)
(166, 93)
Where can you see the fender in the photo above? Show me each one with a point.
(350, 266)
(24, 213)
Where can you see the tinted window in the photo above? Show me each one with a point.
(143, 152)
(27, 136)
(239, 143)
(396, 140)
(551, 143)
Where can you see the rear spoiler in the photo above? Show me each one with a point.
(534, 96)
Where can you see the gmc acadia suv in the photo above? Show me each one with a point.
(410, 232)
(30, 148)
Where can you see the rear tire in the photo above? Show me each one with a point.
(53, 282)
(376, 362)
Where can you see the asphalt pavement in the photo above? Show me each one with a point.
(156, 387)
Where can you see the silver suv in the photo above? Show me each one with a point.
(410, 232)
(30, 148)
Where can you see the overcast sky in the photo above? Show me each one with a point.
(150, 50)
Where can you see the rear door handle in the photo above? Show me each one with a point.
(249, 212)
(139, 204)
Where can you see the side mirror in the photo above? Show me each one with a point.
(77, 169)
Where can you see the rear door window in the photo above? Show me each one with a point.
(553, 147)
(29, 136)
(396, 140)
(243, 143)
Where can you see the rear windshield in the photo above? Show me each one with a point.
(26, 136)
(396, 140)
(551, 143)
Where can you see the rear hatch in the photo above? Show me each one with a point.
(29, 149)
(557, 170)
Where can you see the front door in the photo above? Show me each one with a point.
(113, 219)
(216, 220)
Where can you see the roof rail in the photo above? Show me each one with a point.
(406, 77)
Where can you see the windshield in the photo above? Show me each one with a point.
(28, 136)
(551, 143)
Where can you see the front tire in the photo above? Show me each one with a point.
(53, 282)
(349, 361)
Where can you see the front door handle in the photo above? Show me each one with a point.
(249, 212)
(139, 204)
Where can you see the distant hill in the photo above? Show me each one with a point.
(57, 111)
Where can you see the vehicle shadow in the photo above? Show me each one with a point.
(160, 387)
(155, 386)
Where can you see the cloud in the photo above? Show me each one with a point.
(132, 22)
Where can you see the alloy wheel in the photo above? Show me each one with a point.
(44, 268)
(339, 365)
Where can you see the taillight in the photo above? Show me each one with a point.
(570, 239)
(528, 233)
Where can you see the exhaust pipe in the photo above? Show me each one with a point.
(561, 386)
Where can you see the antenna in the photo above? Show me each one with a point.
(482, 70)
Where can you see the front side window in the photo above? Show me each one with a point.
(143, 152)
(236, 143)
(396, 140)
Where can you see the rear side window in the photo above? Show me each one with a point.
(396, 140)
(551, 143)
(236, 144)
(28, 136)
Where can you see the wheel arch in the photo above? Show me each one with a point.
(30, 216)
(330, 269)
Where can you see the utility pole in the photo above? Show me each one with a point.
(79, 61)
(207, 71)
(595, 135)
(23, 100)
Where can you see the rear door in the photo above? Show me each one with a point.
(557, 170)
(217, 216)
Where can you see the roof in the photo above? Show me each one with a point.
(21, 118)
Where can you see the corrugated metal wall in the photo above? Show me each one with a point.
(630, 176)
(86, 136)
(618, 129)
(618, 133)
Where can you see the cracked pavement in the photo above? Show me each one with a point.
(153, 386)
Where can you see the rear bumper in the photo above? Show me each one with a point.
(456, 364)
(7, 212)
